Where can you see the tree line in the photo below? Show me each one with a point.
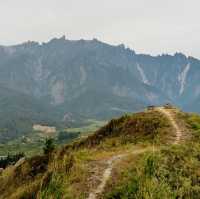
(10, 160)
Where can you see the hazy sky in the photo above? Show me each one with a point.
(148, 26)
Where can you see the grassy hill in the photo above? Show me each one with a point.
(135, 156)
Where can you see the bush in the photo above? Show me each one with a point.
(10, 160)
(49, 146)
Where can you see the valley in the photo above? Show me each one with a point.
(32, 143)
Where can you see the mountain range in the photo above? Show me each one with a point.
(62, 79)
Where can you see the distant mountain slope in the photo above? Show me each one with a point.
(95, 79)
(194, 106)
(102, 104)
(18, 112)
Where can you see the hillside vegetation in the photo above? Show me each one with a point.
(172, 172)
(138, 152)
(18, 113)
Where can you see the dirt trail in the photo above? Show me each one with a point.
(111, 162)
(108, 171)
(169, 115)
(105, 177)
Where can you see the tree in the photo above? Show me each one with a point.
(10, 159)
(48, 146)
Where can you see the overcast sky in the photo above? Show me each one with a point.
(148, 26)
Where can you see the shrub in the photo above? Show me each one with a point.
(49, 146)
(10, 160)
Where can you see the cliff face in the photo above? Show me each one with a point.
(96, 79)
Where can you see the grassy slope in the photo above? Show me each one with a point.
(70, 172)
(173, 172)
(73, 166)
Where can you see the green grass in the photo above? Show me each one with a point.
(192, 121)
(171, 173)
(90, 126)
(14, 147)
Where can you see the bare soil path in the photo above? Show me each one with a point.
(178, 132)
(108, 171)
(105, 177)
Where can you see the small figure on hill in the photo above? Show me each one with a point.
(150, 107)
(168, 106)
